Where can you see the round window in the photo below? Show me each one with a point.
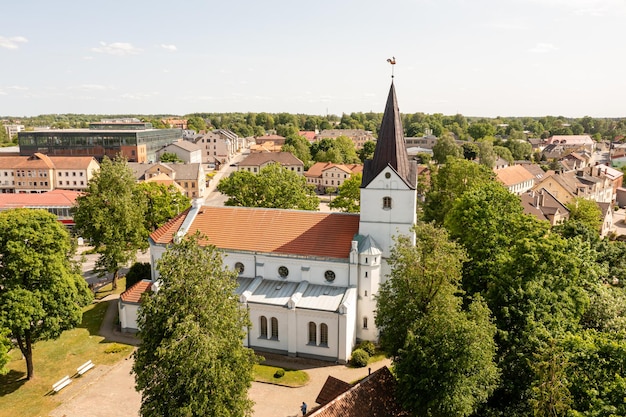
(329, 275)
(283, 271)
(239, 268)
(387, 175)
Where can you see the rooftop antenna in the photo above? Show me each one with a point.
(392, 61)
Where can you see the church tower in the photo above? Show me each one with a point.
(388, 189)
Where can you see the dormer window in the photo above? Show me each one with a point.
(387, 203)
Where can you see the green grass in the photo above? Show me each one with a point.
(53, 360)
(108, 289)
(292, 378)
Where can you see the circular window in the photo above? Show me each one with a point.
(387, 175)
(283, 271)
(239, 268)
(329, 275)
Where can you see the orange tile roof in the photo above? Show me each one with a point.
(71, 162)
(134, 293)
(293, 232)
(55, 198)
(515, 174)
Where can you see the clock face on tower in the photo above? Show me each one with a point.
(283, 271)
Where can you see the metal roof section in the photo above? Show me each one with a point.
(272, 292)
(368, 246)
(322, 297)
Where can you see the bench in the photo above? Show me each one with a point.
(84, 367)
(62, 383)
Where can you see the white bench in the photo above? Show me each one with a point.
(84, 367)
(62, 383)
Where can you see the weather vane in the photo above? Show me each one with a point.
(392, 61)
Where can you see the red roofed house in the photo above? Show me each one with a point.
(327, 174)
(129, 303)
(309, 279)
(516, 179)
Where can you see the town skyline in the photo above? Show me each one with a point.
(480, 59)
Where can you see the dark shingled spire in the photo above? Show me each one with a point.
(390, 148)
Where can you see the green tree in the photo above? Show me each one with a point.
(470, 150)
(446, 146)
(449, 183)
(504, 153)
(5, 348)
(111, 215)
(481, 130)
(486, 153)
(41, 291)
(299, 147)
(169, 157)
(163, 202)
(367, 151)
(273, 187)
(521, 150)
(196, 123)
(443, 355)
(586, 212)
(349, 197)
(191, 361)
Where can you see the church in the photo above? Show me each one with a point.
(309, 279)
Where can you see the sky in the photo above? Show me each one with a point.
(483, 58)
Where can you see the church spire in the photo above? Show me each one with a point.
(390, 148)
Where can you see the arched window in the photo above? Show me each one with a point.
(274, 328)
(312, 333)
(323, 334)
(365, 322)
(263, 327)
(387, 203)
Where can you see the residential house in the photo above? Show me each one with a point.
(426, 142)
(589, 183)
(327, 174)
(275, 139)
(217, 147)
(309, 135)
(373, 396)
(309, 279)
(255, 161)
(516, 179)
(606, 210)
(573, 141)
(40, 173)
(614, 175)
(191, 177)
(268, 146)
(575, 160)
(535, 170)
(544, 206)
(188, 152)
(358, 136)
(175, 123)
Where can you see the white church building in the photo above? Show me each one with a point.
(309, 279)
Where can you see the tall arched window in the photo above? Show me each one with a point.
(274, 328)
(323, 334)
(387, 203)
(263, 327)
(312, 333)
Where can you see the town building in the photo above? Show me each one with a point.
(516, 179)
(190, 177)
(57, 202)
(544, 206)
(218, 147)
(130, 138)
(13, 130)
(255, 161)
(187, 152)
(40, 173)
(275, 139)
(357, 136)
(323, 175)
(590, 183)
(309, 279)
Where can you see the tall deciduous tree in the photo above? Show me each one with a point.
(446, 146)
(443, 354)
(192, 361)
(586, 212)
(163, 203)
(273, 187)
(349, 197)
(5, 347)
(41, 292)
(111, 215)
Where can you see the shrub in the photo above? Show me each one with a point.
(280, 372)
(115, 348)
(137, 272)
(359, 358)
(367, 346)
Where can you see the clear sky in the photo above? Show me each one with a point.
(475, 57)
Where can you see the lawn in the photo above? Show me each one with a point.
(53, 360)
(264, 373)
(108, 289)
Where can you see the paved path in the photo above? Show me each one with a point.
(110, 390)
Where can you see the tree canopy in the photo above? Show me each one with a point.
(349, 197)
(41, 291)
(273, 187)
(443, 353)
(111, 215)
(192, 361)
(163, 202)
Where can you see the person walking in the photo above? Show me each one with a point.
(303, 408)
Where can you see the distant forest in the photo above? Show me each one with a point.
(415, 125)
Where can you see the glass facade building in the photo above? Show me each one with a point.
(137, 142)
